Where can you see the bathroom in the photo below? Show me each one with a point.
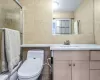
(34, 20)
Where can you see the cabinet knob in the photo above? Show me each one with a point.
(70, 65)
(73, 64)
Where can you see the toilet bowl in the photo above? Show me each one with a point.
(32, 67)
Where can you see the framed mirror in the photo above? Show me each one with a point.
(72, 17)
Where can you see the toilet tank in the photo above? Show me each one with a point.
(32, 54)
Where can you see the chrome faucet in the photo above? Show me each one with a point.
(67, 42)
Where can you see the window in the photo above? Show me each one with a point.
(61, 26)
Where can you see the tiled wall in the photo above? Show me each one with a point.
(10, 15)
(84, 13)
(63, 15)
(38, 25)
(97, 21)
(89, 14)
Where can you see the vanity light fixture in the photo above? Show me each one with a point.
(55, 4)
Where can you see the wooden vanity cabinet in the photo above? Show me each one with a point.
(95, 65)
(80, 70)
(95, 55)
(71, 65)
(94, 74)
(71, 55)
(62, 70)
(76, 65)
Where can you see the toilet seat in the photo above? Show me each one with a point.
(30, 68)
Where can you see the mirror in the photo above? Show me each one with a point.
(72, 17)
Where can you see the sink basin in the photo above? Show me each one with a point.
(69, 46)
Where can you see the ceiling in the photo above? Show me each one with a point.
(67, 5)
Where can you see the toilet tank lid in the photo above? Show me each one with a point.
(30, 68)
(35, 53)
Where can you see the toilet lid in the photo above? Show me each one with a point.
(30, 68)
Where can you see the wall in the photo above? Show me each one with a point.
(38, 25)
(91, 19)
(63, 15)
(97, 21)
(38, 21)
(85, 14)
(10, 15)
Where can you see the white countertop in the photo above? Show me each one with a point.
(65, 47)
(38, 45)
(77, 47)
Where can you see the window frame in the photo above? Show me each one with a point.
(54, 32)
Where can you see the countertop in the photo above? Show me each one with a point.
(39, 45)
(65, 47)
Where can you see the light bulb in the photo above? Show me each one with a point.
(55, 5)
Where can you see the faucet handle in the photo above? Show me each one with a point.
(67, 41)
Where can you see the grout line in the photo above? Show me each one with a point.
(94, 21)
(94, 69)
(89, 63)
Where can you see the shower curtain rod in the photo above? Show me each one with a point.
(18, 3)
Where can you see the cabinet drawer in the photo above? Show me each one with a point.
(71, 55)
(94, 64)
(94, 74)
(95, 55)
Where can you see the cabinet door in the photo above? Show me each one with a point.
(80, 70)
(94, 74)
(62, 70)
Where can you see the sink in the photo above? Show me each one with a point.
(76, 47)
(73, 46)
(69, 46)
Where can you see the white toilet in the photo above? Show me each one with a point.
(33, 65)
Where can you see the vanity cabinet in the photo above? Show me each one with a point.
(95, 55)
(71, 55)
(94, 74)
(62, 70)
(95, 65)
(71, 65)
(80, 70)
(71, 70)
(76, 65)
